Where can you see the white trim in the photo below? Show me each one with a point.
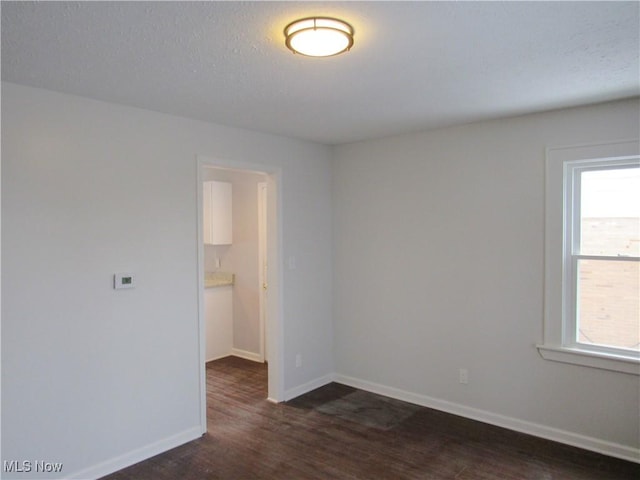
(202, 354)
(137, 455)
(219, 357)
(590, 358)
(254, 357)
(569, 438)
(307, 387)
(559, 343)
(274, 326)
(262, 266)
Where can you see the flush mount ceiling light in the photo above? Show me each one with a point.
(319, 36)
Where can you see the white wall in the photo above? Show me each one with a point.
(438, 240)
(89, 189)
(241, 258)
(438, 265)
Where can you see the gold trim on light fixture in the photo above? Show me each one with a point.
(319, 36)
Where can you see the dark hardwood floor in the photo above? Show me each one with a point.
(338, 432)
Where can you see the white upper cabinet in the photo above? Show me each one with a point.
(217, 213)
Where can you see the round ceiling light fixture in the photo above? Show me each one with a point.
(319, 36)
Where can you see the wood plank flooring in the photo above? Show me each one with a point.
(338, 432)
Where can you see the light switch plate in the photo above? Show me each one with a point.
(123, 280)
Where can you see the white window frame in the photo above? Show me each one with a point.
(561, 222)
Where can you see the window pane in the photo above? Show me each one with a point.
(608, 303)
(610, 212)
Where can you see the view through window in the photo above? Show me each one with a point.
(606, 257)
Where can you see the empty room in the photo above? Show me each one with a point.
(320, 240)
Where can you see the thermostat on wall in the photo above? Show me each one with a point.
(123, 280)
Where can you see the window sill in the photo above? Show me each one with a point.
(587, 358)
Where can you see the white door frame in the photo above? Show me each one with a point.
(263, 270)
(275, 328)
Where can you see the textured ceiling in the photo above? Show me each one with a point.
(414, 65)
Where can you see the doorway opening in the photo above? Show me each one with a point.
(239, 278)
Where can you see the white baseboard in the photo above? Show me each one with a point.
(255, 357)
(236, 352)
(550, 433)
(574, 439)
(135, 456)
(307, 387)
(217, 358)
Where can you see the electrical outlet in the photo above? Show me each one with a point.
(124, 280)
(298, 360)
(463, 376)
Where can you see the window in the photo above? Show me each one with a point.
(592, 301)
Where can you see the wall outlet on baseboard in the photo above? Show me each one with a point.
(463, 376)
(298, 360)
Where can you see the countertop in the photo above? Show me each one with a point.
(218, 279)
